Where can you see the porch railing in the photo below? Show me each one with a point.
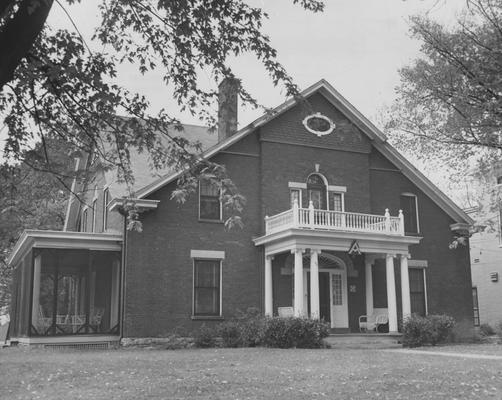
(310, 218)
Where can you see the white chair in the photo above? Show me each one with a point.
(372, 322)
(285, 312)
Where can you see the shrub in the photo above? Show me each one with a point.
(432, 329)
(486, 330)
(205, 337)
(442, 328)
(416, 330)
(230, 333)
(252, 326)
(294, 332)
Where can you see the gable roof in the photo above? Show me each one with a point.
(378, 139)
(144, 173)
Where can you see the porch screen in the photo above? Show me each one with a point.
(207, 287)
(75, 292)
(417, 291)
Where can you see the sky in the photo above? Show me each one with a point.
(356, 45)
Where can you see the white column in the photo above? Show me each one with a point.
(269, 302)
(405, 286)
(391, 293)
(369, 284)
(35, 308)
(314, 284)
(298, 306)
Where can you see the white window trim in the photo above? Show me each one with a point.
(221, 210)
(297, 185)
(94, 214)
(106, 189)
(342, 199)
(220, 314)
(82, 219)
(408, 194)
(337, 189)
(207, 254)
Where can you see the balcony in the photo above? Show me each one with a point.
(336, 221)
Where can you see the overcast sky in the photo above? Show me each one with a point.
(356, 45)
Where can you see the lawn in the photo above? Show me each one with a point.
(244, 374)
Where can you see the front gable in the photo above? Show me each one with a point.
(288, 128)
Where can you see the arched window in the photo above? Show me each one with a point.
(316, 191)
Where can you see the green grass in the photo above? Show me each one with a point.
(244, 374)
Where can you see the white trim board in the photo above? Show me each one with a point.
(207, 254)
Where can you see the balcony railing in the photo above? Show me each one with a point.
(310, 218)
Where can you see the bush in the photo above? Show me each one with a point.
(205, 337)
(486, 330)
(252, 325)
(433, 329)
(294, 332)
(230, 333)
(442, 328)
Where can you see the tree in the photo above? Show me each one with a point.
(30, 198)
(54, 86)
(449, 103)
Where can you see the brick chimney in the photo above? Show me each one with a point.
(227, 107)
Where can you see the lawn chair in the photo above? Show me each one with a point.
(372, 322)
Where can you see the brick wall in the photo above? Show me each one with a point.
(159, 268)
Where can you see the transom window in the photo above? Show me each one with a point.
(209, 201)
(207, 288)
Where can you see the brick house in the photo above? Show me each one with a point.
(324, 236)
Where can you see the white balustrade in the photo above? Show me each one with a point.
(310, 218)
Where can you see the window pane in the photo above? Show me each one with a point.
(207, 287)
(335, 201)
(295, 195)
(417, 291)
(336, 282)
(209, 199)
(209, 208)
(409, 206)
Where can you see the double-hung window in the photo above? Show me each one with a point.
(209, 201)
(207, 287)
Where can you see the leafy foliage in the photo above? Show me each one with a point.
(432, 329)
(63, 89)
(295, 332)
(450, 99)
(205, 337)
(31, 198)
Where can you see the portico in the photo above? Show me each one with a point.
(306, 246)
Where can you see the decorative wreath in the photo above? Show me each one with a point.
(318, 124)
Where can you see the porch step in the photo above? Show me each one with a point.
(363, 341)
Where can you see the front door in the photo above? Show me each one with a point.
(333, 306)
(339, 306)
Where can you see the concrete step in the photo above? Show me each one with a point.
(364, 341)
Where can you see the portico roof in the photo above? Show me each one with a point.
(293, 238)
(64, 240)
